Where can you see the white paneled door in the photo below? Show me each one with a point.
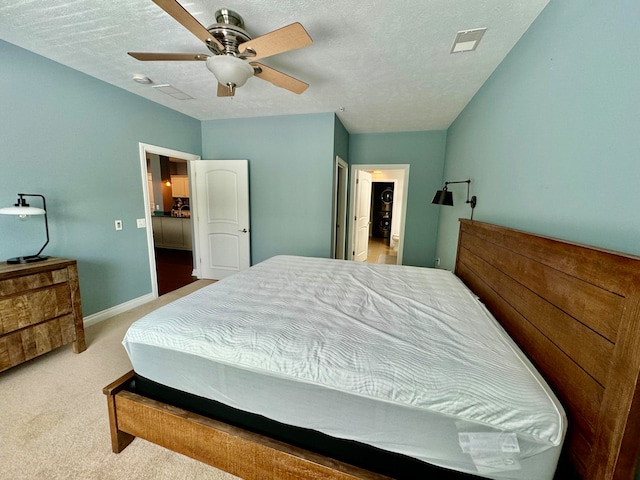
(362, 210)
(222, 206)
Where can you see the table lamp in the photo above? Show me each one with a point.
(23, 210)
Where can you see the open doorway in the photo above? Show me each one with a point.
(377, 213)
(168, 210)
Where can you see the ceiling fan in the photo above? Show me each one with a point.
(234, 51)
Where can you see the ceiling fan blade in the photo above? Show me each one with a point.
(282, 40)
(184, 18)
(168, 57)
(224, 91)
(279, 79)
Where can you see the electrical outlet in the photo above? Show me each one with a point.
(118, 224)
(141, 223)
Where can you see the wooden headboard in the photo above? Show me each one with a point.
(575, 311)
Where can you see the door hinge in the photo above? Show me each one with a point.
(357, 181)
(353, 253)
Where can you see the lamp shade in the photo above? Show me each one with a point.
(22, 211)
(443, 197)
(229, 69)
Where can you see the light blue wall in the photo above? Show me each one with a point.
(75, 140)
(424, 152)
(291, 162)
(552, 140)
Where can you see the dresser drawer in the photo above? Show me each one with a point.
(22, 310)
(28, 343)
(40, 309)
(34, 281)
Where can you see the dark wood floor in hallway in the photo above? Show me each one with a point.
(174, 269)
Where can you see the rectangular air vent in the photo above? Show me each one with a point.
(467, 40)
(172, 91)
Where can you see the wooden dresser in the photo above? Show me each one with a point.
(40, 310)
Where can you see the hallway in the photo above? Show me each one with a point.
(380, 252)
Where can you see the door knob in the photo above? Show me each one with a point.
(244, 230)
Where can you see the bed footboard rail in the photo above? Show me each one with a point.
(231, 449)
(119, 439)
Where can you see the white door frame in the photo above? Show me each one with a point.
(403, 213)
(145, 148)
(339, 236)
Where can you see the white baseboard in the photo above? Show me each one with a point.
(123, 307)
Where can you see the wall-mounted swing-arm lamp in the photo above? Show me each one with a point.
(445, 197)
(23, 210)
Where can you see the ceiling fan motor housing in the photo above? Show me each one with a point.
(229, 17)
(228, 31)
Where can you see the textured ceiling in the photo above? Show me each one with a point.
(381, 65)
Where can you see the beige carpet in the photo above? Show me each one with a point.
(53, 414)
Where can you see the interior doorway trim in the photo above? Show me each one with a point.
(338, 235)
(403, 213)
(145, 148)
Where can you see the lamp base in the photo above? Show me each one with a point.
(27, 259)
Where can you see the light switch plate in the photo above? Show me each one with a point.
(118, 224)
(141, 222)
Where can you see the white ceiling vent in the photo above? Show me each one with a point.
(172, 91)
(467, 40)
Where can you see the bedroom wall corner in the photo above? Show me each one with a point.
(291, 162)
(550, 140)
(341, 140)
(75, 139)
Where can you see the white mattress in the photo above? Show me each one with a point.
(402, 358)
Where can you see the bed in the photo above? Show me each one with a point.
(573, 310)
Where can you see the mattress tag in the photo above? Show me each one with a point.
(476, 442)
(488, 463)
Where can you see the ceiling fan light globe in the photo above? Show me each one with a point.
(229, 69)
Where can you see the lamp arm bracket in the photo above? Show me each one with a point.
(44, 207)
(473, 200)
(461, 181)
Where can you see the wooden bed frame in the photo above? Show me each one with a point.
(574, 310)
